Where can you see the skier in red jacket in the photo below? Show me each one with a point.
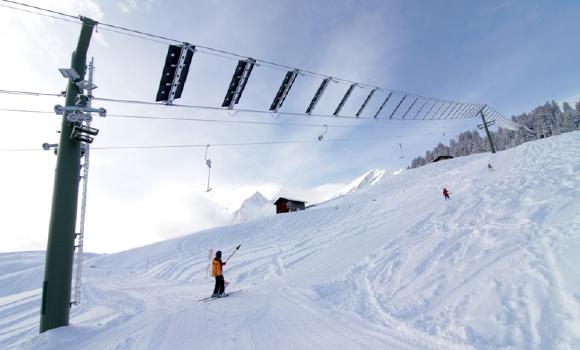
(445, 193)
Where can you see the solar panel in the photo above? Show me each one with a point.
(442, 103)
(238, 83)
(383, 104)
(399, 105)
(445, 110)
(411, 106)
(175, 71)
(459, 111)
(421, 108)
(318, 95)
(344, 99)
(370, 95)
(283, 90)
(452, 110)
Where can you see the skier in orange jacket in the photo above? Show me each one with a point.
(217, 272)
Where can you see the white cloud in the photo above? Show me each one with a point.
(165, 210)
(127, 6)
(138, 197)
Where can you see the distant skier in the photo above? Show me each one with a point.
(445, 193)
(217, 272)
(489, 167)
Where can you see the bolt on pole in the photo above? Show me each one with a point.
(56, 287)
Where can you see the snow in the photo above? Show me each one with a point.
(20, 272)
(388, 266)
(256, 206)
(369, 178)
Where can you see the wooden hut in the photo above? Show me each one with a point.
(285, 205)
(442, 158)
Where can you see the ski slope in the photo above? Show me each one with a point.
(390, 265)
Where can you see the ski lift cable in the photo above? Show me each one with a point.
(133, 35)
(249, 110)
(266, 143)
(30, 93)
(231, 121)
(291, 174)
(64, 17)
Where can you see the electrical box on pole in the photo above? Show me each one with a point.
(56, 287)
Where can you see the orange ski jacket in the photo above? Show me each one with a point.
(216, 267)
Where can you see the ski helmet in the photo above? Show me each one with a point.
(218, 254)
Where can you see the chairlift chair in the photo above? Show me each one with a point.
(402, 154)
(208, 163)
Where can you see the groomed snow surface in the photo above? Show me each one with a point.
(387, 266)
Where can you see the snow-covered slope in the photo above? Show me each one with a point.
(389, 266)
(369, 178)
(20, 272)
(256, 206)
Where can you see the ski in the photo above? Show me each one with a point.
(213, 298)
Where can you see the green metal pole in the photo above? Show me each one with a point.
(56, 288)
(487, 131)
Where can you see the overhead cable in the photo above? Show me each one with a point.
(232, 121)
(213, 108)
(265, 143)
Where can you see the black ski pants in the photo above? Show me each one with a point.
(219, 285)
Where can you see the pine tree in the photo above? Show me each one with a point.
(543, 121)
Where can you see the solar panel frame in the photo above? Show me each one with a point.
(318, 95)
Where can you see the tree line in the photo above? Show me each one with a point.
(544, 121)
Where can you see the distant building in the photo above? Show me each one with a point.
(285, 205)
(442, 158)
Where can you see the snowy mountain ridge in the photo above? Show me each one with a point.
(393, 266)
(368, 179)
(255, 206)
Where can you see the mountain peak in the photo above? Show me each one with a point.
(257, 197)
(369, 178)
(254, 207)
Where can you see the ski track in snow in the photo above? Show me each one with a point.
(388, 266)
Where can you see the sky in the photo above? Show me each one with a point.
(511, 55)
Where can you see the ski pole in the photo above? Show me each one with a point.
(209, 256)
(235, 250)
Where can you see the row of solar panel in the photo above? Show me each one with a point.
(179, 59)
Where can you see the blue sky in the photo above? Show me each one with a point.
(485, 51)
(512, 55)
